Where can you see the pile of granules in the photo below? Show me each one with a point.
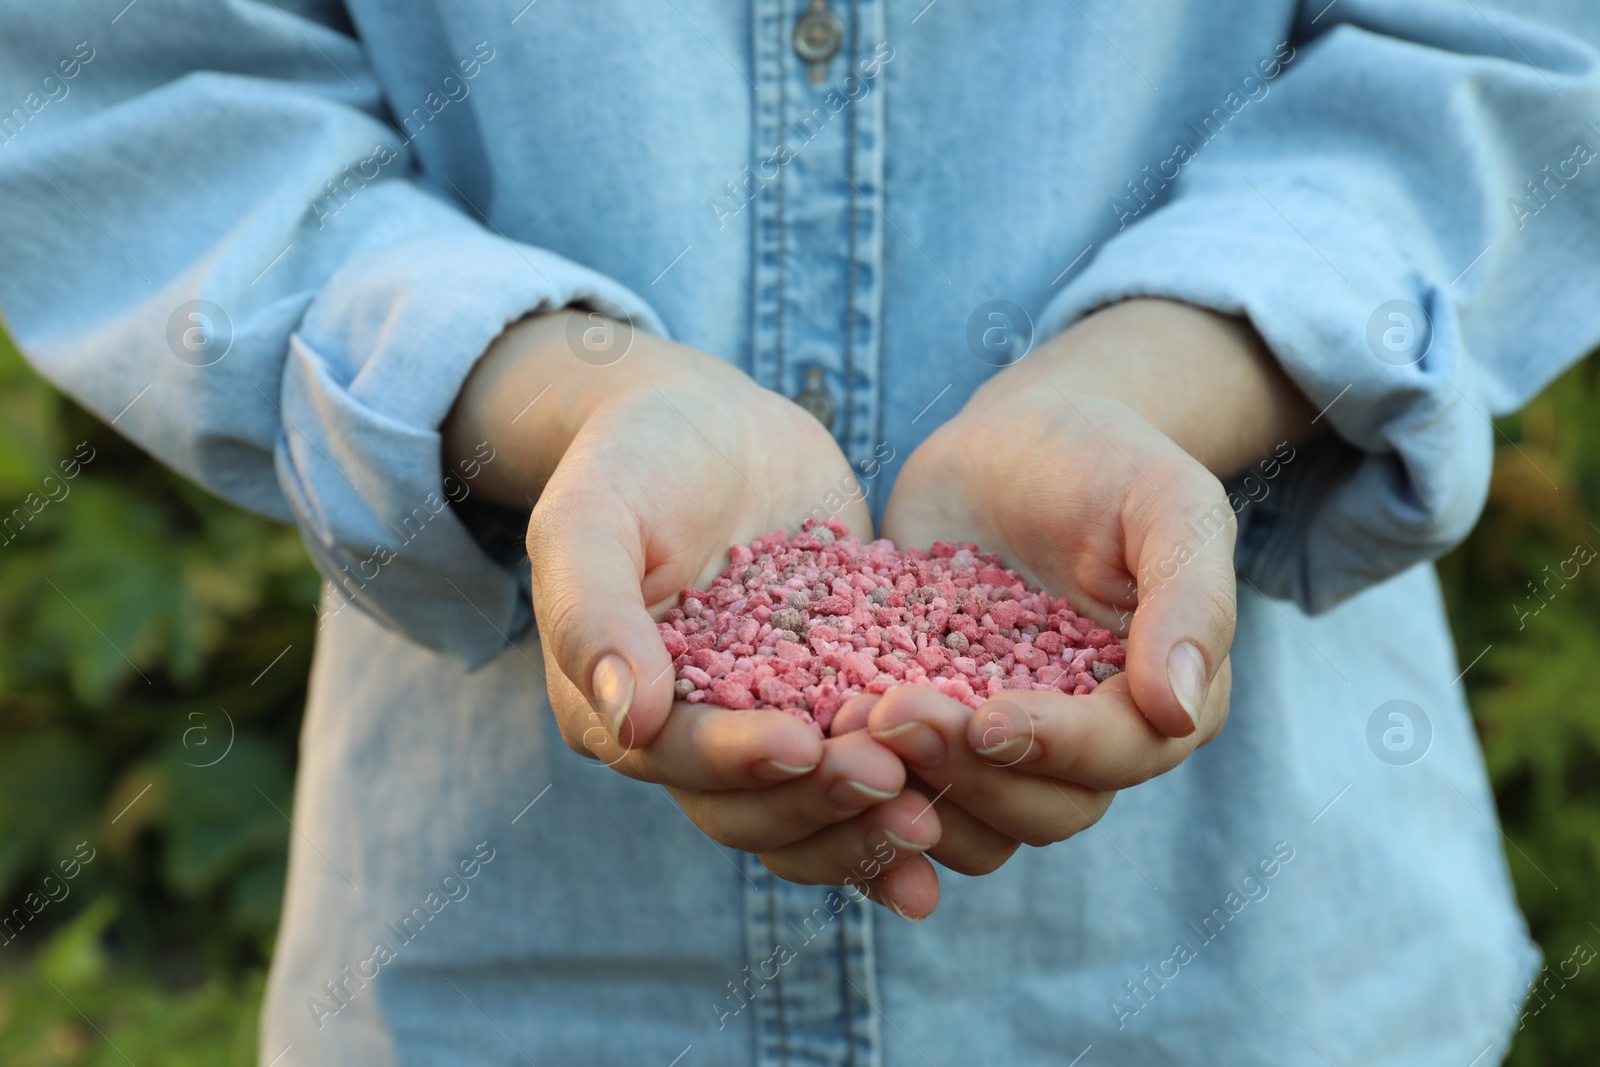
(804, 623)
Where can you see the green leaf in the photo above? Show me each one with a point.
(220, 821)
(75, 956)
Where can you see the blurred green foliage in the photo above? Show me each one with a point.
(1520, 589)
(154, 645)
(144, 625)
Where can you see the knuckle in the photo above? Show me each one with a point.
(831, 812)
(540, 537)
(615, 754)
(558, 619)
(1068, 822)
(736, 838)
(574, 723)
(783, 867)
(1055, 831)
(718, 824)
(978, 858)
(1214, 499)
(1152, 761)
(712, 823)
(1157, 760)
(984, 789)
(1070, 745)
(574, 741)
(1222, 603)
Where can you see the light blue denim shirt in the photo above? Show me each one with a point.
(269, 240)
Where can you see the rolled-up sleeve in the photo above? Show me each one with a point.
(215, 242)
(1415, 156)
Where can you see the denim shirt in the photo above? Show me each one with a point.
(269, 241)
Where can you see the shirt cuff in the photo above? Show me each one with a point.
(373, 370)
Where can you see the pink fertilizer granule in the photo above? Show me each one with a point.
(803, 623)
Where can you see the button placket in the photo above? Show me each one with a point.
(810, 973)
(770, 28)
(864, 171)
(816, 305)
(820, 246)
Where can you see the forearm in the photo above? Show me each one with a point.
(1203, 379)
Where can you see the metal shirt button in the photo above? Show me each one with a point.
(817, 36)
(816, 399)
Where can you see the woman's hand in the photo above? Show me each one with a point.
(646, 470)
(1057, 466)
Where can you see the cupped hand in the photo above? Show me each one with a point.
(1057, 466)
(651, 467)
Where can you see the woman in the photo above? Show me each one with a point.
(655, 279)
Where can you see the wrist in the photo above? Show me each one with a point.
(1205, 380)
(519, 399)
(544, 378)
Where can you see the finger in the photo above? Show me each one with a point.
(910, 890)
(859, 849)
(1100, 740)
(585, 548)
(704, 747)
(987, 812)
(967, 844)
(853, 714)
(929, 731)
(856, 773)
(1179, 529)
(918, 723)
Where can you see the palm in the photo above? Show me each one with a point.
(1088, 500)
(703, 468)
(1044, 494)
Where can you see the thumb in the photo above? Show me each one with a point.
(1180, 533)
(586, 553)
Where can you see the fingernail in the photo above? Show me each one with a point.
(848, 793)
(1186, 673)
(1011, 752)
(894, 907)
(901, 843)
(771, 770)
(612, 684)
(880, 841)
(915, 741)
